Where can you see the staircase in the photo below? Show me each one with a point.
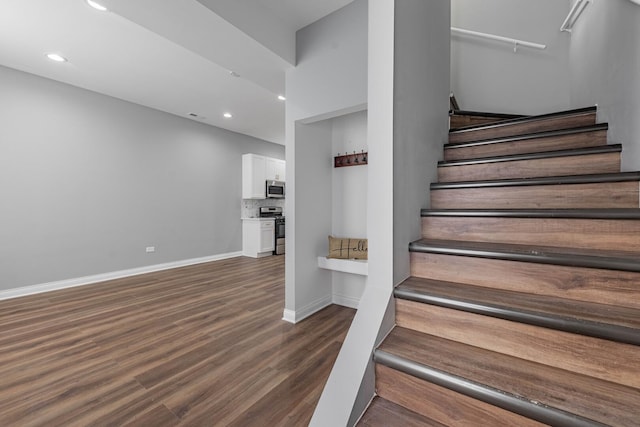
(523, 308)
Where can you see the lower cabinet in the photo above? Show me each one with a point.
(258, 237)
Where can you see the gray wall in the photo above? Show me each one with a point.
(331, 70)
(330, 80)
(489, 76)
(88, 181)
(605, 70)
(420, 115)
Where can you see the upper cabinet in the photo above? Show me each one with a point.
(256, 170)
(253, 176)
(274, 169)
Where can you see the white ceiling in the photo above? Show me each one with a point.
(300, 13)
(171, 55)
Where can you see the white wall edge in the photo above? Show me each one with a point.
(333, 114)
(89, 280)
(296, 316)
(346, 301)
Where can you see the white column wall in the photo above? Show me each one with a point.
(421, 105)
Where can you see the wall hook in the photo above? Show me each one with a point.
(354, 159)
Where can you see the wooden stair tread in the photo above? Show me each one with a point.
(551, 180)
(537, 213)
(613, 148)
(619, 288)
(612, 260)
(608, 234)
(593, 319)
(525, 119)
(537, 193)
(536, 135)
(463, 118)
(525, 384)
(384, 413)
(547, 122)
(584, 161)
(485, 114)
(527, 142)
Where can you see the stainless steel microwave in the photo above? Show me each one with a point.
(275, 189)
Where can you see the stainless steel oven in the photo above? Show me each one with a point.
(279, 235)
(275, 212)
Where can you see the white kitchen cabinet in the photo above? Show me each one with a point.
(275, 169)
(256, 170)
(258, 237)
(253, 176)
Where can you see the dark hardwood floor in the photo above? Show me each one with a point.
(202, 345)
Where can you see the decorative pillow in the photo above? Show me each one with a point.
(342, 248)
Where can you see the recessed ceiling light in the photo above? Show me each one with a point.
(96, 6)
(227, 115)
(56, 57)
(282, 98)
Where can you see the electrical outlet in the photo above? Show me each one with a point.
(150, 249)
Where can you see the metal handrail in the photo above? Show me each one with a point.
(515, 42)
(574, 14)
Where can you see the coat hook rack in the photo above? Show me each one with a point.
(355, 159)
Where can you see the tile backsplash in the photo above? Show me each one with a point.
(250, 207)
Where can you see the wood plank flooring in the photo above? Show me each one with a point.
(202, 345)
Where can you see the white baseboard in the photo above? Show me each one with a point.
(88, 280)
(289, 316)
(295, 316)
(346, 301)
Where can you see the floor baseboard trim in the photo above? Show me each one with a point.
(346, 301)
(289, 316)
(97, 278)
(295, 316)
